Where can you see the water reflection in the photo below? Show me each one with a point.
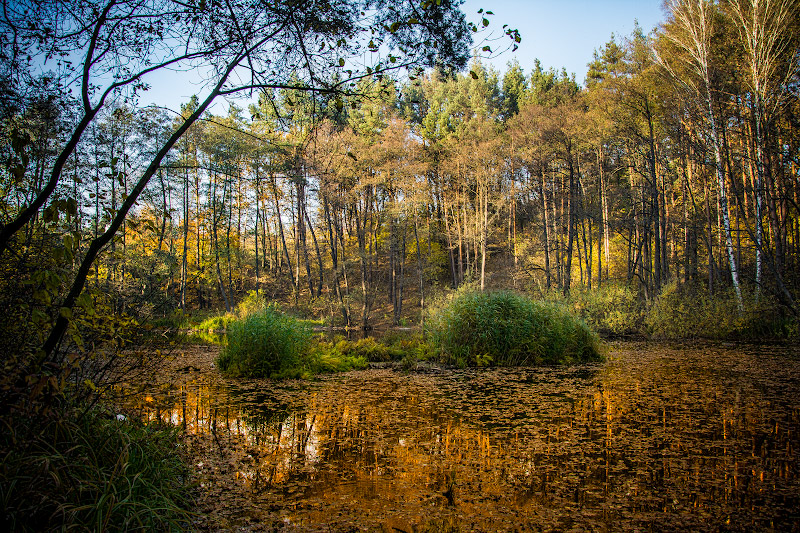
(654, 439)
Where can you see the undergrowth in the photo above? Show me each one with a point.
(91, 472)
(611, 309)
(508, 329)
(690, 311)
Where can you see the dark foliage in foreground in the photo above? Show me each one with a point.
(90, 471)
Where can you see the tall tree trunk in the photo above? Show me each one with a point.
(185, 250)
(570, 224)
(215, 218)
(321, 279)
(545, 225)
(301, 225)
(256, 228)
(332, 241)
(420, 273)
(723, 200)
(274, 184)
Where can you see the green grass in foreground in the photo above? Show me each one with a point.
(508, 329)
(93, 473)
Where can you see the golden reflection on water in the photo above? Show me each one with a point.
(655, 439)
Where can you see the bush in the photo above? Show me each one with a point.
(689, 311)
(254, 302)
(506, 329)
(611, 309)
(92, 473)
(265, 344)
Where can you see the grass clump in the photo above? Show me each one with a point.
(358, 354)
(508, 329)
(327, 357)
(266, 343)
(92, 472)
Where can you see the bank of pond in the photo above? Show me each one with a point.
(656, 437)
(502, 413)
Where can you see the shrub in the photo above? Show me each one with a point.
(689, 310)
(254, 302)
(611, 308)
(506, 328)
(267, 343)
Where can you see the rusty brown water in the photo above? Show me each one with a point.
(657, 438)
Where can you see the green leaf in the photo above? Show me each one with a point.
(473, 74)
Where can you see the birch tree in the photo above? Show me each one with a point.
(764, 33)
(690, 64)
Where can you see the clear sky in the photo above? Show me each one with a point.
(560, 33)
(564, 33)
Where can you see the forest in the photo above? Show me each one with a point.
(657, 199)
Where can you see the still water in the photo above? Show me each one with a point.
(656, 438)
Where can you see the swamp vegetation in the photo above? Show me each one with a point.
(692, 437)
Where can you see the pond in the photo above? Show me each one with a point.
(656, 438)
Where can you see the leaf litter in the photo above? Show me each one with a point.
(657, 438)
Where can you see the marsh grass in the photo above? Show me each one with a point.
(92, 472)
(266, 343)
(508, 329)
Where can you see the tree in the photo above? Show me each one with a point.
(247, 45)
(690, 63)
(763, 27)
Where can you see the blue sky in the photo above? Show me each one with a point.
(560, 33)
(564, 33)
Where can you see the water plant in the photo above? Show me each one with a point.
(505, 328)
(265, 343)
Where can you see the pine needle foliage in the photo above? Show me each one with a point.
(509, 329)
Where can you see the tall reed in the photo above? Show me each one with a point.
(508, 329)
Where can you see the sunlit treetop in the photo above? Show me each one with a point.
(95, 47)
